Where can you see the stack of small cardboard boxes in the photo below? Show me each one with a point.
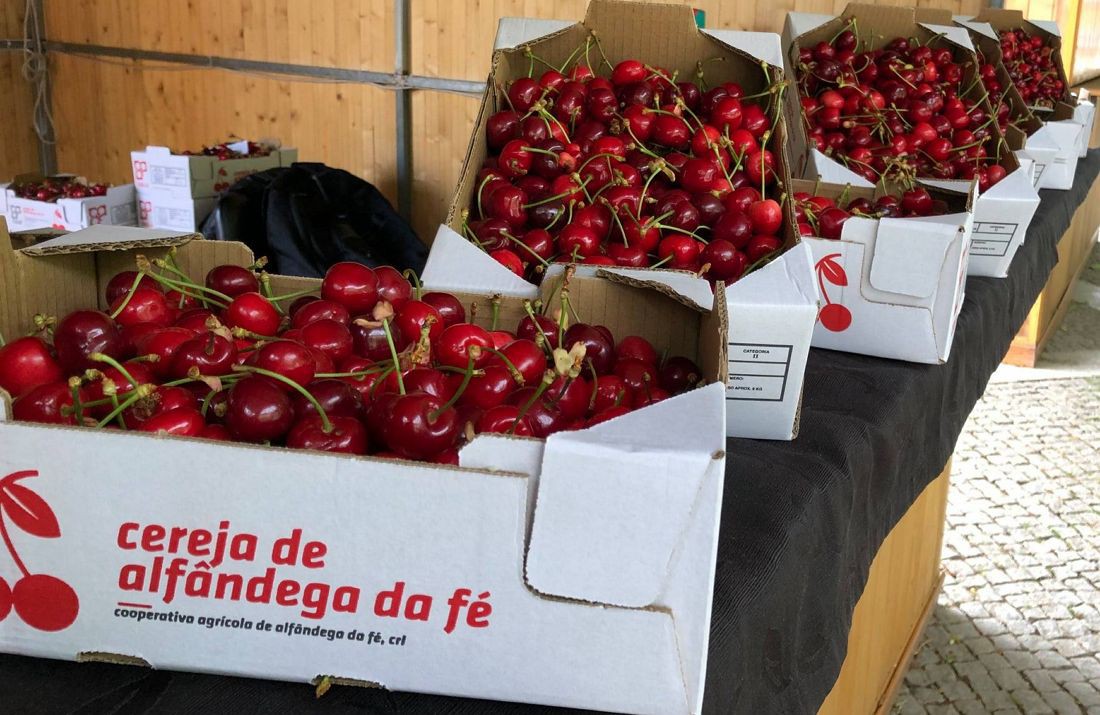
(178, 191)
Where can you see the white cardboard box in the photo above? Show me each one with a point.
(1001, 214)
(160, 209)
(576, 571)
(116, 208)
(772, 310)
(198, 176)
(899, 284)
(771, 318)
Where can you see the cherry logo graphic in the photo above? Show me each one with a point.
(140, 167)
(44, 602)
(833, 316)
(144, 209)
(96, 214)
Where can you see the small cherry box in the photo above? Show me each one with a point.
(772, 309)
(198, 176)
(163, 209)
(574, 571)
(116, 208)
(891, 287)
(1003, 212)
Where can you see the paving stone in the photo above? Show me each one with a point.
(1017, 629)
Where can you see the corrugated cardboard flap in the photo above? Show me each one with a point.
(681, 286)
(615, 500)
(787, 280)
(982, 28)
(834, 172)
(958, 35)
(909, 255)
(103, 237)
(516, 31)
(1016, 186)
(1049, 26)
(761, 45)
(458, 266)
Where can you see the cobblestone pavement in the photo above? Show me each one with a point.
(1017, 628)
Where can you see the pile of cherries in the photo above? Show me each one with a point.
(1032, 65)
(824, 217)
(900, 111)
(998, 94)
(633, 169)
(371, 366)
(225, 151)
(58, 187)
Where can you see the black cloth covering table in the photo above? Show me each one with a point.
(801, 524)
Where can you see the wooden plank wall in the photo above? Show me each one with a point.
(106, 107)
(18, 145)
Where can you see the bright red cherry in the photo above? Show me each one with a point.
(352, 285)
(26, 363)
(232, 280)
(257, 410)
(83, 332)
(254, 313)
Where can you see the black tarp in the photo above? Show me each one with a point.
(801, 524)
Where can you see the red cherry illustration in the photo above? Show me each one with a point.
(835, 317)
(5, 599)
(45, 602)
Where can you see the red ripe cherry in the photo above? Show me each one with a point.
(319, 310)
(162, 342)
(290, 359)
(754, 121)
(45, 404)
(509, 259)
(369, 340)
(393, 287)
(346, 435)
(501, 128)
(679, 374)
(630, 256)
(682, 251)
(526, 357)
(917, 201)
(543, 416)
(599, 349)
(735, 228)
(45, 602)
(448, 306)
(831, 222)
(430, 381)
(761, 246)
(766, 216)
(145, 305)
(605, 415)
(122, 282)
(412, 318)
(727, 114)
(637, 376)
(418, 426)
(257, 410)
(628, 71)
(489, 389)
(727, 263)
(210, 353)
(638, 348)
(337, 399)
(232, 280)
(575, 240)
(179, 421)
(503, 419)
(699, 174)
(26, 363)
(83, 332)
(609, 391)
(460, 342)
(352, 285)
(671, 131)
(254, 313)
(541, 325)
(330, 337)
(195, 319)
(523, 93)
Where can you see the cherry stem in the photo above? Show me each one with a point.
(189, 288)
(186, 280)
(595, 384)
(289, 296)
(411, 277)
(2, 341)
(540, 337)
(547, 379)
(101, 357)
(136, 394)
(508, 364)
(129, 295)
(11, 547)
(78, 406)
(355, 374)
(326, 424)
(468, 375)
(481, 188)
(557, 197)
(393, 354)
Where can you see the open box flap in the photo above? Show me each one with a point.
(1016, 186)
(958, 35)
(1065, 133)
(761, 45)
(615, 500)
(832, 171)
(104, 237)
(457, 266)
(685, 287)
(516, 31)
(909, 254)
(788, 280)
(982, 28)
(1049, 26)
(799, 23)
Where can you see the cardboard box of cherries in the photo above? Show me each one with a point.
(657, 156)
(66, 202)
(358, 478)
(895, 93)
